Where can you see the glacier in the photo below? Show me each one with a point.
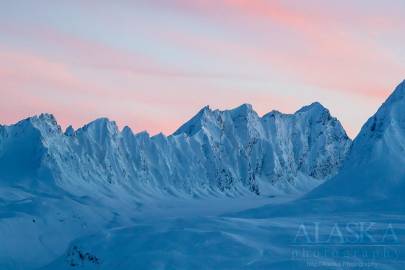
(228, 190)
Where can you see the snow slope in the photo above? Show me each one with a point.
(239, 243)
(375, 166)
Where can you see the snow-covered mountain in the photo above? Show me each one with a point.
(375, 166)
(101, 198)
(57, 186)
(265, 236)
(216, 151)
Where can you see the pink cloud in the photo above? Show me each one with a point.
(331, 57)
(94, 54)
(81, 78)
(32, 84)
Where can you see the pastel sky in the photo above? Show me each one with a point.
(153, 64)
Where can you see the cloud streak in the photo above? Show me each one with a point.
(143, 62)
(330, 55)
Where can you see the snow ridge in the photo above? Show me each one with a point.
(232, 152)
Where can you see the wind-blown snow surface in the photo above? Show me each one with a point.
(244, 243)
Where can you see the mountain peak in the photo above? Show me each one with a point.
(194, 124)
(44, 118)
(47, 116)
(69, 131)
(102, 121)
(391, 114)
(101, 124)
(206, 108)
(315, 106)
(206, 117)
(45, 122)
(245, 107)
(127, 131)
(273, 114)
(243, 110)
(398, 94)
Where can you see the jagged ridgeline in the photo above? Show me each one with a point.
(232, 151)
